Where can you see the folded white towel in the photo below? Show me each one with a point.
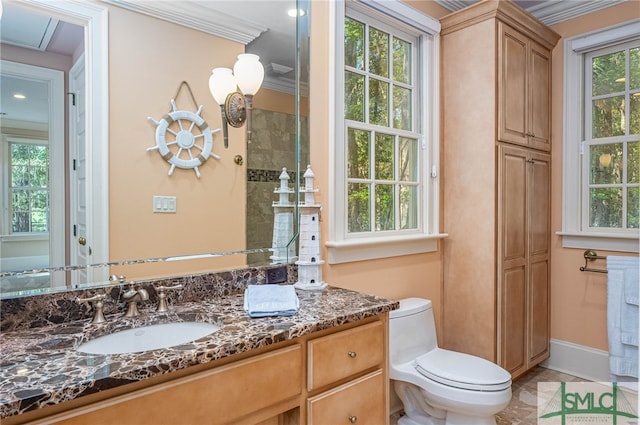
(270, 300)
(622, 315)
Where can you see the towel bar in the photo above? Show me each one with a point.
(591, 255)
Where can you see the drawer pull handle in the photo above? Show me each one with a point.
(353, 419)
(352, 354)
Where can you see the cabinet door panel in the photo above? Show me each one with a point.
(512, 319)
(512, 86)
(540, 95)
(513, 204)
(539, 192)
(539, 320)
(360, 401)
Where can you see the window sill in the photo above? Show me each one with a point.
(347, 251)
(25, 237)
(602, 241)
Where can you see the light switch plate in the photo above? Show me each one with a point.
(164, 204)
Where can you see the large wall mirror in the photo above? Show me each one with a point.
(79, 183)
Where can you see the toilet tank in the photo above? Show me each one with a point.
(412, 330)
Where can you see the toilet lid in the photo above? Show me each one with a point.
(462, 371)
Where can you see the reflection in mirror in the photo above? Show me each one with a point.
(228, 210)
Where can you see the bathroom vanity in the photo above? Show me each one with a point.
(326, 364)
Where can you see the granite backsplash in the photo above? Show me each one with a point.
(50, 309)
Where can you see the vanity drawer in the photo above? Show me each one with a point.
(218, 396)
(361, 401)
(344, 354)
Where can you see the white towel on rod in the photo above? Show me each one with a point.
(622, 315)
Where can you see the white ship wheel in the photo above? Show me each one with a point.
(176, 142)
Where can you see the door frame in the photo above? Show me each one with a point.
(54, 79)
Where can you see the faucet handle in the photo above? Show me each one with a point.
(98, 315)
(162, 297)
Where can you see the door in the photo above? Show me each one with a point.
(539, 80)
(539, 187)
(512, 86)
(513, 234)
(80, 237)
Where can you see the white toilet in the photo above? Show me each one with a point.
(439, 386)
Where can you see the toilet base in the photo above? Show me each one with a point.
(406, 420)
(452, 419)
(458, 419)
(420, 410)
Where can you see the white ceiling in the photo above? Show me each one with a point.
(41, 33)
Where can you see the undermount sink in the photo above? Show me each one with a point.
(146, 338)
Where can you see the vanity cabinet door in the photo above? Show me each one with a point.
(361, 401)
(344, 354)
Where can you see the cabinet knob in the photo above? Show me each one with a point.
(353, 419)
(352, 354)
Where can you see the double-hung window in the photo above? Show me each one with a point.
(26, 191)
(602, 139)
(386, 142)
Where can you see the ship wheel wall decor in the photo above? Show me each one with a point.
(184, 139)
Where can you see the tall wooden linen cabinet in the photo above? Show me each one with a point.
(496, 132)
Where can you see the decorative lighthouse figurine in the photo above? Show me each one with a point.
(283, 250)
(310, 261)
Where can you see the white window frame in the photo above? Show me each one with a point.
(574, 233)
(341, 246)
(5, 160)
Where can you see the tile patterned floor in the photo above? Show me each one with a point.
(522, 409)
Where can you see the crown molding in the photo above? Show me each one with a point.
(196, 16)
(548, 12)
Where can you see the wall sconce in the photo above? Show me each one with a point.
(236, 106)
(605, 159)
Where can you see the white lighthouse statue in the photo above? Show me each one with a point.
(310, 261)
(283, 250)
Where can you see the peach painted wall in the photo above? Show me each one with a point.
(148, 60)
(578, 299)
(396, 277)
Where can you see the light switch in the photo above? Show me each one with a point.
(164, 204)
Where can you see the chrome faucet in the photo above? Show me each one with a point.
(98, 304)
(132, 296)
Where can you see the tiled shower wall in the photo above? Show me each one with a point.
(272, 148)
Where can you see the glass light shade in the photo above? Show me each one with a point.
(605, 159)
(249, 73)
(221, 83)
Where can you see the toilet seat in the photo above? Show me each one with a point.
(462, 371)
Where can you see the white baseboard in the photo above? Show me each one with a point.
(578, 360)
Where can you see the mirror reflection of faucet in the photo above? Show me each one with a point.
(132, 296)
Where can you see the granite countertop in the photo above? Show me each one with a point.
(40, 366)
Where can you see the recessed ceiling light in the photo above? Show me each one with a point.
(19, 96)
(296, 12)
